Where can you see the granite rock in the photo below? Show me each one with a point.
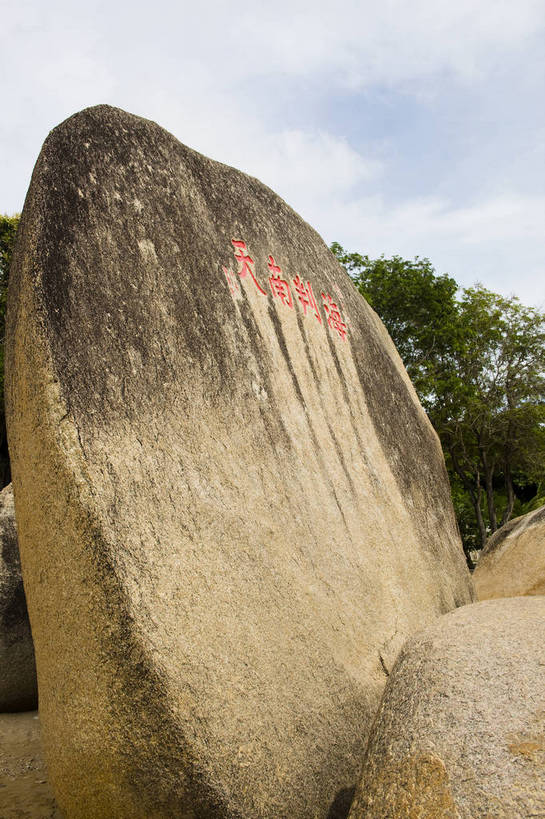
(460, 732)
(513, 560)
(18, 686)
(232, 508)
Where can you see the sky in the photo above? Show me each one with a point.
(412, 128)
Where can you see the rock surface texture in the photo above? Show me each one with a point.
(460, 732)
(241, 509)
(18, 686)
(513, 561)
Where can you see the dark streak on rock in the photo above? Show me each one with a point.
(304, 338)
(383, 664)
(284, 349)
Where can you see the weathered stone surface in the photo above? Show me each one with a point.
(24, 789)
(18, 686)
(460, 731)
(231, 513)
(513, 560)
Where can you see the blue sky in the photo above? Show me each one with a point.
(412, 128)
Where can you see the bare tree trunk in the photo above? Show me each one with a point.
(507, 468)
(475, 493)
(510, 493)
(478, 513)
(488, 480)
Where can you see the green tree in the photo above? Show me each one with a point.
(477, 361)
(492, 423)
(8, 231)
(418, 308)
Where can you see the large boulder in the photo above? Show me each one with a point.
(460, 732)
(232, 509)
(513, 560)
(18, 686)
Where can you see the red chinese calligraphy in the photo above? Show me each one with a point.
(306, 297)
(246, 262)
(279, 287)
(231, 281)
(334, 318)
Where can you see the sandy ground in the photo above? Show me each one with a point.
(24, 791)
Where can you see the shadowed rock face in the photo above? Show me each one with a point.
(18, 687)
(460, 732)
(513, 561)
(247, 509)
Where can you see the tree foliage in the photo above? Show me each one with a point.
(477, 361)
(417, 307)
(8, 231)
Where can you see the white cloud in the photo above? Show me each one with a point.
(361, 43)
(502, 219)
(320, 164)
(497, 241)
(351, 42)
(209, 72)
(505, 218)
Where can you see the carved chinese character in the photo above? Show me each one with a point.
(279, 287)
(231, 281)
(306, 297)
(334, 318)
(246, 262)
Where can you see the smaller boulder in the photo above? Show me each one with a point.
(460, 732)
(513, 561)
(18, 685)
